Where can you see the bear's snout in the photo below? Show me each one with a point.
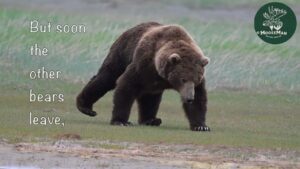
(188, 92)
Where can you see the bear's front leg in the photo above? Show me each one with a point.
(148, 105)
(196, 110)
(125, 93)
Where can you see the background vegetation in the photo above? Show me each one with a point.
(253, 86)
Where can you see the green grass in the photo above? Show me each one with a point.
(204, 4)
(78, 56)
(237, 119)
(260, 109)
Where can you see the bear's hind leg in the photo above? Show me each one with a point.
(100, 84)
(148, 105)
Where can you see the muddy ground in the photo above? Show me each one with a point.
(107, 154)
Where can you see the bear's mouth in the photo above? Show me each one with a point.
(189, 101)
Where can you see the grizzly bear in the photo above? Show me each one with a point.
(143, 62)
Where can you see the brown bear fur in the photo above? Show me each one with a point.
(143, 62)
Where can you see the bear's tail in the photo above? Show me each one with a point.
(97, 87)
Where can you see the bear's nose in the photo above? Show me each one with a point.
(189, 101)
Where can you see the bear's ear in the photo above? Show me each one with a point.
(205, 61)
(174, 58)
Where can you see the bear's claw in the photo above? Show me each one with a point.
(87, 111)
(201, 128)
(119, 123)
(152, 122)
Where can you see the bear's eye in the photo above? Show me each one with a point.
(183, 80)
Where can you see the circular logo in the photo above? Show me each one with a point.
(275, 23)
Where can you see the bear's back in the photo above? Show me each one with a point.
(128, 41)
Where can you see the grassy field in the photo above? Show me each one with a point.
(237, 119)
(253, 86)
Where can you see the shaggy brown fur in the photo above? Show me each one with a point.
(143, 62)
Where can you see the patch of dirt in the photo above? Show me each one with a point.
(68, 136)
(107, 154)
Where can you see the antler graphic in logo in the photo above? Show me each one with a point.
(273, 20)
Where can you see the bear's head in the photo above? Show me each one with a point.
(182, 65)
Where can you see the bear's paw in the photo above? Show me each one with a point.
(88, 111)
(152, 122)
